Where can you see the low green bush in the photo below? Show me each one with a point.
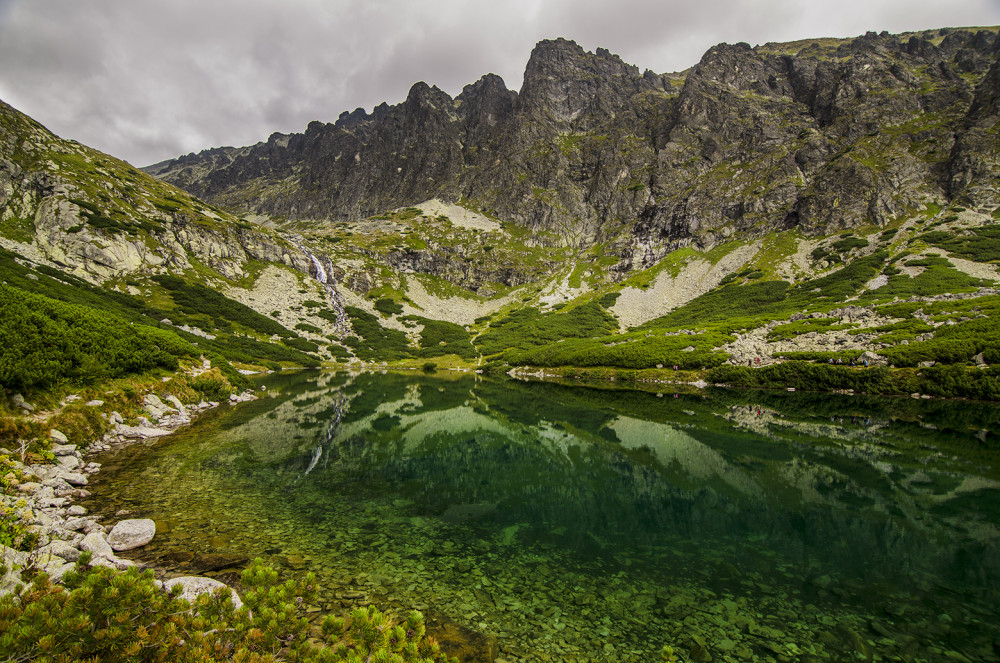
(194, 298)
(439, 338)
(373, 341)
(615, 351)
(211, 388)
(388, 306)
(100, 614)
(44, 342)
(608, 300)
(849, 243)
(981, 244)
(301, 344)
(528, 327)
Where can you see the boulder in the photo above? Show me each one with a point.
(69, 463)
(112, 562)
(194, 586)
(76, 524)
(60, 549)
(97, 544)
(141, 432)
(58, 437)
(75, 478)
(13, 559)
(173, 400)
(129, 534)
(61, 450)
(17, 400)
(156, 407)
(57, 568)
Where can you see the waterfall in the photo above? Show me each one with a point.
(324, 275)
(320, 272)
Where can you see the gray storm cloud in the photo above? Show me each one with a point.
(147, 81)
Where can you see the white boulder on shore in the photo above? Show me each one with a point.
(96, 544)
(45, 502)
(194, 586)
(129, 534)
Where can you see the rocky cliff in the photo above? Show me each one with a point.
(820, 135)
(95, 215)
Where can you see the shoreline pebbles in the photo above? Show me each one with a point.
(65, 530)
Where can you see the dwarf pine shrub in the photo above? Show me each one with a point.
(100, 614)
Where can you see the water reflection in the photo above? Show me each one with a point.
(599, 524)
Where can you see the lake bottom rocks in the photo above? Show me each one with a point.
(64, 530)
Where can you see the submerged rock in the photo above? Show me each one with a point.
(217, 561)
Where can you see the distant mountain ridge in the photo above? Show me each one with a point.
(818, 134)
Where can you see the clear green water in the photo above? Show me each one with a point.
(584, 524)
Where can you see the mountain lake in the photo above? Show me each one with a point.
(552, 522)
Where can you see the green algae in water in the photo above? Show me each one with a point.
(584, 524)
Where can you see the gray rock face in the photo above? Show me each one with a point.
(137, 432)
(974, 166)
(129, 534)
(63, 449)
(96, 543)
(61, 549)
(75, 478)
(165, 237)
(194, 586)
(751, 140)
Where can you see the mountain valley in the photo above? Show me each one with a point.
(783, 207)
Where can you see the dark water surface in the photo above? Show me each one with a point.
(585, 524)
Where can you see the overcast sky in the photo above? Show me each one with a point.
(148, 80)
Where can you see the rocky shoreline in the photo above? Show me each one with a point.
(65, 530)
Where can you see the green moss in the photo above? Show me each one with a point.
(18, 229)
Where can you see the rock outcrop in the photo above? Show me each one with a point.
(89, 213)
(820, 136)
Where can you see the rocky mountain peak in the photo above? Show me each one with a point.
(489, 85)
(485, 103)
(422, 94)
(565, 82)
(821, 135)
(350, 120)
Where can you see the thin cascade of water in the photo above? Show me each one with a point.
(324, 275)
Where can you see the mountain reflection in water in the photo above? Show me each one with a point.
(596, 524)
